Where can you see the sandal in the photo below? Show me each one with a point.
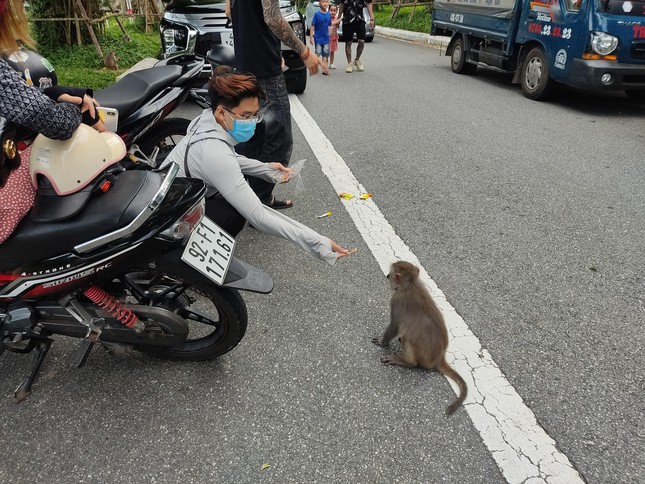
(278, 204)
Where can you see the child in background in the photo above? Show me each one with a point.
(333, 34)
(320, 31)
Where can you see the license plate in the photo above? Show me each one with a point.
(227, 38)
(209, 250)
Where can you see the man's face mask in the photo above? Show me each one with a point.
(243, 129)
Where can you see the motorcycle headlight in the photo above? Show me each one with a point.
(603, 44)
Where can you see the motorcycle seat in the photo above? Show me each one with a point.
(106, 212)
(136, 88)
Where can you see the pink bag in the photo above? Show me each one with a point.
(16, 197)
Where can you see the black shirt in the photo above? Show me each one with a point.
(257, 49)
(353, 10)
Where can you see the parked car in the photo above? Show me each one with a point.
(313, 6)
(194, 26)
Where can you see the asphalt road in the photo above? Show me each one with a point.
(528, 216)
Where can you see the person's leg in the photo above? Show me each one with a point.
(360, 35)
(224, 214)
(273, 139)
(359, 49)
(348, 34)
(325, 55)
(348, 51)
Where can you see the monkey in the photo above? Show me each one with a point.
(110, 60)
(417, 321)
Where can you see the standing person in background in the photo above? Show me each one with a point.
(319, 32)
(354, 23)
(333, 34)
(258, 30)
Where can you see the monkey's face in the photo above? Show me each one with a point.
(402, 272)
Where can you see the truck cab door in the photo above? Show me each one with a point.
(559, 26)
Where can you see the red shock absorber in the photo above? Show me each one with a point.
(102, 299)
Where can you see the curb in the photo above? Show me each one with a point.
(433, 40)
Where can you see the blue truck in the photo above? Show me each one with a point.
(589, 44)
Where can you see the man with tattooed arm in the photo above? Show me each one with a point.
(258, 30)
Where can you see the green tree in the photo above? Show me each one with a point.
(54, 33)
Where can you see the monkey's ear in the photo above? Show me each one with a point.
(397, 276)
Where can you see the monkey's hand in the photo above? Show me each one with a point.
(378, 341)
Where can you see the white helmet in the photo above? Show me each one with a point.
(72, 164)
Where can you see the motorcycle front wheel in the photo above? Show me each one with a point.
(216, 316)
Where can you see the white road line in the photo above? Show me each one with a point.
(524, 452)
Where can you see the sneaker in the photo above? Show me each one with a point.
(332, 66)
(359, 65)
(349, 68)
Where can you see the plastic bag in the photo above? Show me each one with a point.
(294, 179)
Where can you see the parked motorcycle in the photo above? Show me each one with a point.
(145, 98)
(128, 262)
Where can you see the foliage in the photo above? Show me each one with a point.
(51, 34)
(420, 19)
(47, 33)
(81, 66)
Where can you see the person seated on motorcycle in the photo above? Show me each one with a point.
(208, 152)
(55, 111)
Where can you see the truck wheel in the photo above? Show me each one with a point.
(458, 61)
(535, 80)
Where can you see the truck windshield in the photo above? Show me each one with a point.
(632, 8)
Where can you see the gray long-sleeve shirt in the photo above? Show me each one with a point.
(212, 158)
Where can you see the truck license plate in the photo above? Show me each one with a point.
(209, 250)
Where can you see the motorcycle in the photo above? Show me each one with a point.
(145, 98)
(136, 267)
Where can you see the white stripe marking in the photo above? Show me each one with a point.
(524, 452)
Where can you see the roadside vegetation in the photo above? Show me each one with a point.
(415, 19)
(79, 65)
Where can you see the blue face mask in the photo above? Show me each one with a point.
(243, 129)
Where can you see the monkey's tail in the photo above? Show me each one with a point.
(448, 371)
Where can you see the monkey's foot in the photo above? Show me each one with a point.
(378, 341)
(395, 360)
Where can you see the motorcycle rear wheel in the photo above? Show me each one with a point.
(165, 135)
(216, 316)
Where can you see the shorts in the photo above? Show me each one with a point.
(357, 28)
(322, 50)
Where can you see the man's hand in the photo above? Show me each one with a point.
(313, 63)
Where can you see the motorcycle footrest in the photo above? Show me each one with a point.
(83, 352)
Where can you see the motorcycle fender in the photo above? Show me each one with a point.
(240, 275)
